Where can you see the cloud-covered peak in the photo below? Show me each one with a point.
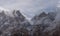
(30, 7)
(3, 9)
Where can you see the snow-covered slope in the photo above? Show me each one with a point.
(15, 23)
(7, 23)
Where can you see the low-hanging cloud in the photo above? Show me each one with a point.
(29, 7)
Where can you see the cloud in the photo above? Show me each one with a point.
(29, 7)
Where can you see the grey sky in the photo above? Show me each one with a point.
(29, 7)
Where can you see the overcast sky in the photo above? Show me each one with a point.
(29, 7)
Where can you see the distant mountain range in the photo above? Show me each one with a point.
(40, 25)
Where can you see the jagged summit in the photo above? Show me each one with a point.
(14, 23)
(8, 23)
(47, 23)
(50, 15)
(43, 14)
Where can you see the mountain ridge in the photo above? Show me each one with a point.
(40, 24)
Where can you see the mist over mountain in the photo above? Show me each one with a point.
(29, 17)
(13, 23)
(8, 23)
(30, 7)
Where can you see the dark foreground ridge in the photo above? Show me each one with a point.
(43, 25)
